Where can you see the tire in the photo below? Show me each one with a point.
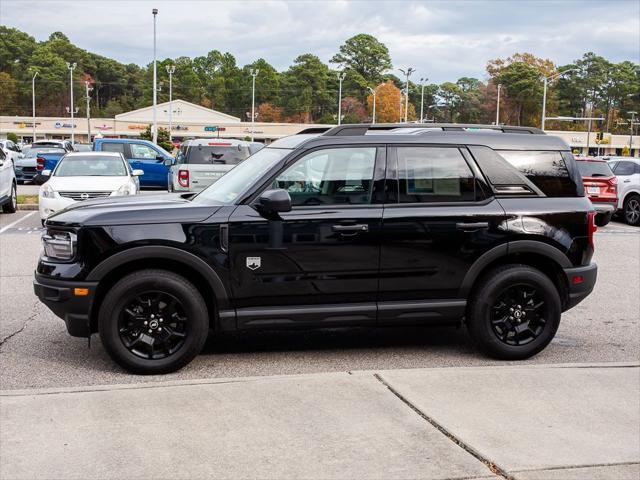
(132, 301)
(499, 331)
(12, 205)
(631, 210)
(603, 219)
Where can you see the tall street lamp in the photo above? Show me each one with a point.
(88, 98)
(33, 102)
(546, 81)
(373, 115)
(422, 81)
(407, 73)
(254, 74)
(498, 105)
(633, 117)
(170, 70)
(155, 88)
(71, 67)
(341, 76)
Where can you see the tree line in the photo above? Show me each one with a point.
(307, 91)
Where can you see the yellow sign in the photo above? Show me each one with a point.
(137, 127)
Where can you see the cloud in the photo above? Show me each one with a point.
(442, 40)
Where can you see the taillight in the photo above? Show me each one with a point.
(613, 180)
(183, 178)
(40, 164)
(591, 227)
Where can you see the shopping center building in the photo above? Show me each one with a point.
(193, 121)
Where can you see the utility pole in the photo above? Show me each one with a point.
(341, 76)
(373, 115)
(170, 70)
(254, 74)
(71, 67)
(498, 105)
(546, 81)
(88, 90)
(633, 117)
(407, 73)
(33, 103)
(422, 81)
(155, 88)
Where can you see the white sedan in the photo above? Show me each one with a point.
(82, 176)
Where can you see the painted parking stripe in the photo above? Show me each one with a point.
(16, 222)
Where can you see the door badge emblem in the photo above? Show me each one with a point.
(254, 263)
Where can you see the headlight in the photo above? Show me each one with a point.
(59, 245)
(124, 190)
(46, 191)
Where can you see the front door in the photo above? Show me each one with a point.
(152, 162)
(319, 264)
(440, 223)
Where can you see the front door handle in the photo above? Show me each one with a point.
(472, 226)
(350, 228)
(626, 181)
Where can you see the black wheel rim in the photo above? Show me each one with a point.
(633, 211)
(153, 325)
(518, 315)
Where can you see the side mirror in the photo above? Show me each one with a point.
(168, 162)
(137, 172)
(45, 173)
(159, 157)
(273, 202)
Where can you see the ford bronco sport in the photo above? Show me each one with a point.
(356, 225)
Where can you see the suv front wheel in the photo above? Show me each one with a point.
(153, 322)
(514, 313)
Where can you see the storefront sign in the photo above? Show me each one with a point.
(26, 124)
(210, 129)
(64, 125)
(180, 127)
(104, 127)
(137, 127)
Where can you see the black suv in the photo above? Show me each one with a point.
(357, 225)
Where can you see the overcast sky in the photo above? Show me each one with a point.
(442, 40)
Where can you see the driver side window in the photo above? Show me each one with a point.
(142, 151)
(337, 176)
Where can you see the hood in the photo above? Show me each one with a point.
(87, 184)
(134, 210)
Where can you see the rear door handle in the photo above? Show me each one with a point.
(361, 227)
(472, 226)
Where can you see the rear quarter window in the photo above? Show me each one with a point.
(216, 154)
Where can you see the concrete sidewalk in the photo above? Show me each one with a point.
(522, 422)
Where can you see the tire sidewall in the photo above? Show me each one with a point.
(195, 311)
(480, 318)
(626, 206)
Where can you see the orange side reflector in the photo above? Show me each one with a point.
(81, 292)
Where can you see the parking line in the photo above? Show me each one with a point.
(16, 222)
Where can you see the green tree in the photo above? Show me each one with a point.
(163, 137)
(523, 87)
(13, 137)
(364, 58)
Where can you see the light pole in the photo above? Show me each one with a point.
(407, 73)
(341, 76)
(170, 70)
(633, 117)
(498, 105)
(422, 81)
(546, 81)
(33, 103)
(71, 67)
(254, 74)
(373, 115)
(155, 88)
(88, 98)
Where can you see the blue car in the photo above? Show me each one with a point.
(141, 155)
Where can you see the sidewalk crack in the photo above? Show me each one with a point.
(496, 470)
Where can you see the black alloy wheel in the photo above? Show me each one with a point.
(518, 316)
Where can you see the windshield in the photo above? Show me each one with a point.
(217, 155)
(90, 166)
(238, 180)
(594, 169)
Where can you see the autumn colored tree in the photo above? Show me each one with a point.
(387, 103)
(267, 112)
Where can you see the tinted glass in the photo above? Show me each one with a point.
(93, 166)
(594, 169)
(337, 176)
(142, 151)
(432, 174)
(113, 147)
(216, 155)
(625, 168)
(546, 170)
(35, 151)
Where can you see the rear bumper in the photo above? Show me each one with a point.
(604, 211)
(581, 281)
(59, 297)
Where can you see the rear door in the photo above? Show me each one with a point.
(437, 221)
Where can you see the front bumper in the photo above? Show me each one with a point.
(26, 174)
(49, 206)
(581, 281)
(59, 296)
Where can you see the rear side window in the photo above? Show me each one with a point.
(546, 170)
(594, 169)
(433, 174)
(625, 168)
(113, 147)
(216, 154)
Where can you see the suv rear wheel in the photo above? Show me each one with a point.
(153, 322)
(514, 313)
(632, 210)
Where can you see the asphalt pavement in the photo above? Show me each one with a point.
(36, 351)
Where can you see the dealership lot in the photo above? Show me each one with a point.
(36, 350)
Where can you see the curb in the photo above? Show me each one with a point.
(27, 206)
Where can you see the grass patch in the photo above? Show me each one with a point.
(22, 199)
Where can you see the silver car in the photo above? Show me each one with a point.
(200, 162)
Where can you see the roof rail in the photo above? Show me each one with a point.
(363, 128)
(314, 130)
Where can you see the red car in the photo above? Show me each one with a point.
(601, 186)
